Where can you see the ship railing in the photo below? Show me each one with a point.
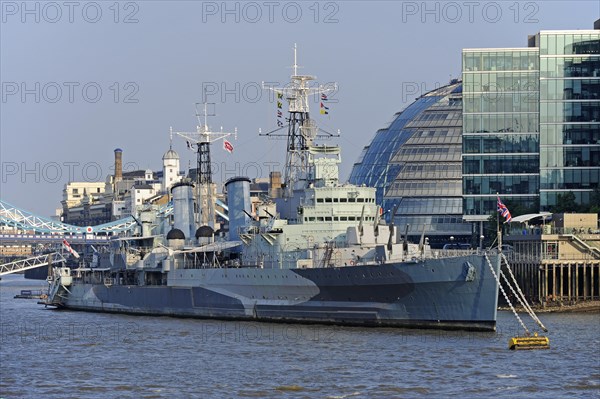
(90, 275)
(449, 253)
(515, 257)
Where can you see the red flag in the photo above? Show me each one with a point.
(227, 146)
(68, 247)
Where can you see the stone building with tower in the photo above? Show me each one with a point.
(94, 203)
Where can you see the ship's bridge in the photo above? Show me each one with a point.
(344, 203)
(325, 161)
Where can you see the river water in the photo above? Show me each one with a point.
(65, 354)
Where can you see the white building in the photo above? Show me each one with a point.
(140, 193)
(170, 169)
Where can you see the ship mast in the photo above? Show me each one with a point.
(301, 129)
(202, 139)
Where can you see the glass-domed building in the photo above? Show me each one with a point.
(415, 163)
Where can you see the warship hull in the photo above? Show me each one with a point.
(449, 293)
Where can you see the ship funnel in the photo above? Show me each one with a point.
(183, 208)
(147, 218)
(238, 201)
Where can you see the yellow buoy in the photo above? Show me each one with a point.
(535, 342)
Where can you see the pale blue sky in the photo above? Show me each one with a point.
(382, 54)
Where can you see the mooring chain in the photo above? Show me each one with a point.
(524, 302)
(504, 293)
(515, 294)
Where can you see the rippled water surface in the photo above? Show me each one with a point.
(59, 354)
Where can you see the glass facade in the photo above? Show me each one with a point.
(416, 164)
(500, 128)
(373, 167)
(569, 114)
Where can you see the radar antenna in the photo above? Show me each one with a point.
(301, 129)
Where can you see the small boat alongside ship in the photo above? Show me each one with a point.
(318, 251)
(31, 294)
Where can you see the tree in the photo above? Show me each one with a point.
(565, 203)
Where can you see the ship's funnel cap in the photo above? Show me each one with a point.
(180, 184)
(236, 179)
(175, 234)
(204, 231)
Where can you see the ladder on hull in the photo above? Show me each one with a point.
(59, 281)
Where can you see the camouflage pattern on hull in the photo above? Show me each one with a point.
(449, 293)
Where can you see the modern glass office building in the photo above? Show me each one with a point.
(416, 164)
(500, 129)
(531, 123)
(569, 114)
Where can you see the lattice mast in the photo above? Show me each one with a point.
(202, 139)
(301, 129)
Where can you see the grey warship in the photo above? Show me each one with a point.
(319, 252)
